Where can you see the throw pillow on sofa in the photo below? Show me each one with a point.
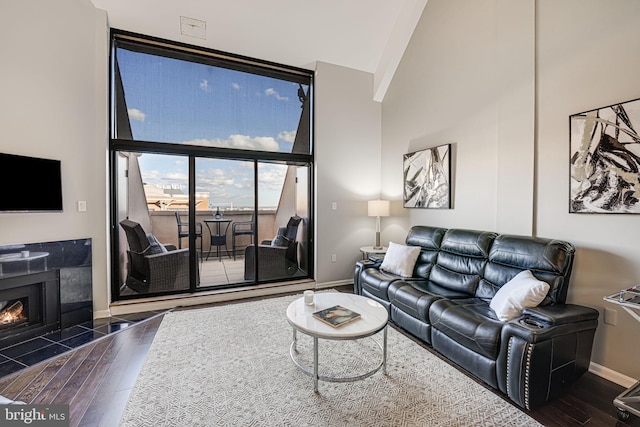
(522, 291)
(400, 259)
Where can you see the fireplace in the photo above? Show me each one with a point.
(29, 306)
(48, 283)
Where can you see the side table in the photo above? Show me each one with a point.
(367, 251)
(629, 400)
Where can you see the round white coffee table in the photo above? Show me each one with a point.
(373, 319)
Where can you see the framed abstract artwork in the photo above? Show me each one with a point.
(427, 177)
(605, 159)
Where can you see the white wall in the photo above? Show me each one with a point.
(499, 79)
(587, 58)
(466, 80)
(53, 82)
(347, 150)
(54, 104)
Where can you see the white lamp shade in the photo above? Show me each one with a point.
(378, 208)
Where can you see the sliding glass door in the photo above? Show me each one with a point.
(229, 225)
(211, 159)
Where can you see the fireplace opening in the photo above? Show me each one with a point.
(29, 306)
(14, 313)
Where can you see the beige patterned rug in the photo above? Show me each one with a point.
(230, 366)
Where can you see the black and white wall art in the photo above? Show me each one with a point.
(605, 159)
(427, 177)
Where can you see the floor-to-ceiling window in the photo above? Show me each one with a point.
(211, 169)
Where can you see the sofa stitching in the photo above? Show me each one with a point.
(509, 349)
(526, 375)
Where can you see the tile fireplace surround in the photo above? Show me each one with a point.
(45, 290)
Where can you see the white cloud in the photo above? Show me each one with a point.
(271, 177)
(275, 94)
(152, 174)
(243, 142)
(204, 85)
(178, 176)
(236, 86)
(136, 114)
(287, 136)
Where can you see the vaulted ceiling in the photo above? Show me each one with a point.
(366, 35)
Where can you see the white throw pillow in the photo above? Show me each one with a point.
(523, 291)
(400, 259)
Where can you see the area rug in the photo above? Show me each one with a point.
(230, 366)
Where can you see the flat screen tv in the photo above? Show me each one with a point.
(30, 184)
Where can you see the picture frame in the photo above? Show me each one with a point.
(427, 178)
(605, 160)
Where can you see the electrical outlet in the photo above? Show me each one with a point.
(333, 258)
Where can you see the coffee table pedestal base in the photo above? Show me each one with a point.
(313, 372)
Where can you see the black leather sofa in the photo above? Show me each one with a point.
(531, 358)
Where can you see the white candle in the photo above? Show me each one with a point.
(308, 297)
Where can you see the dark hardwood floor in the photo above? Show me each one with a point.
(96, 379)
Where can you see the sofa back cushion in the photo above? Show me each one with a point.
(462, 259)
(429, 239)
(549, 260)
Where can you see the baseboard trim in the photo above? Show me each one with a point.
(184, 300)
(611, 375)
(327, 285)
(100, 314)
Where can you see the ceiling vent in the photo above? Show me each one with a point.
(193, 27)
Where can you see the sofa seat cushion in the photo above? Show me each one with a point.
(415, 297)
(376, 282)
(470, 322)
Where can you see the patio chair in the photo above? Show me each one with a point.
(278, 257)
(152, 266)
(241, 228)
(183, 231)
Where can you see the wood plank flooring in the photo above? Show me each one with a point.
(96, 380)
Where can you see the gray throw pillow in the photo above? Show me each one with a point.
(280, 240)
(155, 247)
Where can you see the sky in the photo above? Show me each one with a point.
(176, 101)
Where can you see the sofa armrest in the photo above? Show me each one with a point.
(559, 314)
(360, 266)
(544, 351)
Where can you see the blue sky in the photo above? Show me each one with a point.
(182, 102)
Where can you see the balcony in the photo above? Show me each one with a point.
(218, 267)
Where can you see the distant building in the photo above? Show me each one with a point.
(172, 199)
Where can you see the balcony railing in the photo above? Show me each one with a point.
(165, 227)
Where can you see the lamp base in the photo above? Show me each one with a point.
(377, 246)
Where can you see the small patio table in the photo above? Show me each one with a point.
(218, 235)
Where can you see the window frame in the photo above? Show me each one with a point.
(202, 55)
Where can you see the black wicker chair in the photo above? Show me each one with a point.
(153, 267)
(241, 228)
(183, 231)
(278, 257)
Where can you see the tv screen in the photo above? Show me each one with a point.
(30, 184)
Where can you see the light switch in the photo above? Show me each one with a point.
(82, 205)
(334, 205)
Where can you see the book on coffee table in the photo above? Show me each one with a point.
(336, 315)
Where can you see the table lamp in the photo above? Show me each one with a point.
(378, 208)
